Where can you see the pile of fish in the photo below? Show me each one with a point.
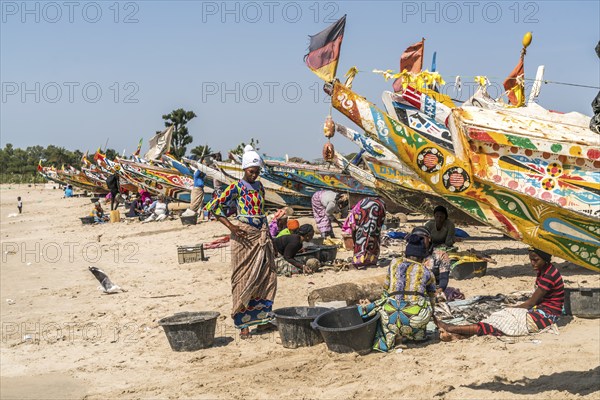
(475, 309)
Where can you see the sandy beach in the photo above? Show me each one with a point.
(63, 338)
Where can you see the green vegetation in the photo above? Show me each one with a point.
(20, 165)
(181, 137)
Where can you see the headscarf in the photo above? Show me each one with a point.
(441, 209)
(283, 212)
(415, 246)
(251, 158)
(416, 242)
(543, 255)
(421, 231)
(293, 224)
(305, 229)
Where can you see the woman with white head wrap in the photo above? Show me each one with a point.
(254, 277)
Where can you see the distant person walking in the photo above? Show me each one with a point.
(113, 185)
(19, 204)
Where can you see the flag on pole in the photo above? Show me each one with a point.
(411, 61)
(324, 50)
(515, 84)
(139, 148)
(84, 159)
(159, 144)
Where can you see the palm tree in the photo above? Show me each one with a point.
(201, 151)
(181, 137)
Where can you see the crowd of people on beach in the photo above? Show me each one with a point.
(265, 247)
(260, 253)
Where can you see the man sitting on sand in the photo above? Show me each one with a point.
(541, 310)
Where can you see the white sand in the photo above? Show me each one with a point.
(85, 344)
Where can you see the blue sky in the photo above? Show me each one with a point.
(77, 74)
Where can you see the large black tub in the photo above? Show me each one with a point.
(190, 331)
(345, 331)
(294, 327)
(582, 302)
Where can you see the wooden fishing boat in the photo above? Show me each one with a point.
(366, 178)
(424, 111)
(78, 179)
(275, 193)
(158, 180)
(319, 176)
(96, 177)
(50, 174)
(480, 139)
(396, 181)
(107, 167)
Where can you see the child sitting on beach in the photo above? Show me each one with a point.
(98, 213)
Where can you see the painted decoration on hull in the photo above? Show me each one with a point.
(519, 215)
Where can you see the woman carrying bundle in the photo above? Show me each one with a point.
(254, 277)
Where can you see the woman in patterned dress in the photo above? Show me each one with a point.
(365, 222)
(254, 276)
(406, 306)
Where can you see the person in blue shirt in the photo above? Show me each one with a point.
(197, 191)
(69, 191)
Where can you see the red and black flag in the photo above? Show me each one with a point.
(324, 50)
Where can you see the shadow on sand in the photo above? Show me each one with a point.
(575, 382)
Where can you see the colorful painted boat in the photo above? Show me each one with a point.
(96, 177)
(366, 178)
(462, 176)
(158, 180)
(396, 181)
(78, 179)
(50, 174)
(280, 195)
(319, 176)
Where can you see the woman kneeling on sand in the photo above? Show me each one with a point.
(541, 310)
(254, 277)
(288, 246)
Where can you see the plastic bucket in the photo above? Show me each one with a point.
(328, 253)
(582, 302)
(468, 269)
(190, 331)
(304, 257)
(87, 220)
(294, 327)
(189, 220)
(345, 331)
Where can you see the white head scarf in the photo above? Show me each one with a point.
(251, 158)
